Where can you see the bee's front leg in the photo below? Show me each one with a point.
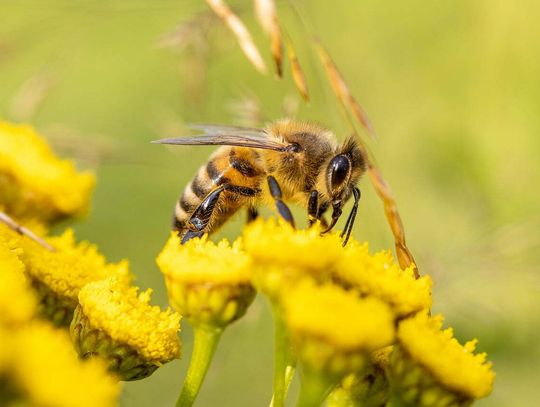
(352, 216)
(313, 207)
(283, 209)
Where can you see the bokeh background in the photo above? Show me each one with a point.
(453, 89)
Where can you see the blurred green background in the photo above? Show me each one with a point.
(453, 89)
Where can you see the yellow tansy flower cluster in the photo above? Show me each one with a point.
(207, 283)
(38, 364)
(17, 302)
(59, 276)
(428, 357)
(34, 183)
(329, 319)
(134, 336)
(380, 276)
(39, 367)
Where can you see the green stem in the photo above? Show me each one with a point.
(204, 346)
(314, 389)
(284, 363)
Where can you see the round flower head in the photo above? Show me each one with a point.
(59, 276)
(17, 300)
(40, 368)
(34, 183)
(333, 330)
(117, 323)
(207, 283)
(379, 276)
(283, 254)
(429, 366)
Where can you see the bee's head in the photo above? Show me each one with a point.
(344, 171)
(342, 174)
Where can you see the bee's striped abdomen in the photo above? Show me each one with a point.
(228, 165)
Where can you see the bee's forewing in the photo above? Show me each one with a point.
(226, 136)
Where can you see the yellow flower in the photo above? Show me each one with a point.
(282, 254)
(207, 283)
(118, 323)
(17, 301)
(430, 365)
(333, 329)
(59, 276)
(378, 275)
(34, 183)
(367, 389)
(40, 368)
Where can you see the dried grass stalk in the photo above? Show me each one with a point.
(404, 256)
(266, 13)
(297, 72)
(240, 31)
(13, 225)
(31, 95)
(342, 90)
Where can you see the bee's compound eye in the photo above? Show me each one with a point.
(339, 169)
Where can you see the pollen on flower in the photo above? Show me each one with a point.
(43, 369)
(17, 301)
(203, 261)
(34, 183)
(455, 366)
(379, 275)
(127, 317)
(71, 266)
(340, 317)
(273, 242)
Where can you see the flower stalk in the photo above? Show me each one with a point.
(314, 389)
(205, 344)
(284, 361)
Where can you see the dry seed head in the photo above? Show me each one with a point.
(342, 91)
(240, 31)
(297, 71)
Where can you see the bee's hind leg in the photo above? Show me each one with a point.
(201, 216)
(282, 208)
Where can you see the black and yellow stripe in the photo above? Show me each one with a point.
(234, 166)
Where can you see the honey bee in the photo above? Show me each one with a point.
(289, 161)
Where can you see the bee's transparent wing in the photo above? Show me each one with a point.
(228, 136)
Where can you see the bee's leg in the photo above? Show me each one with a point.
(352, 216)
(320, 214)
(282, 208)
(252, 214)
(313, 207)
(201, 216)
(190, 234)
